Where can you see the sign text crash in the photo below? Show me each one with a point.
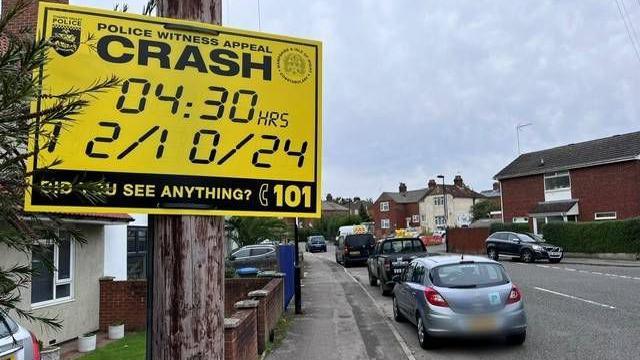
(207, 120)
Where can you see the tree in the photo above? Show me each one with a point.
(20, 231)
(481, 209)
(364, 214)
(252, 230)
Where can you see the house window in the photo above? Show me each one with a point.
(415, 218)
(136, 252)
(607, 215)
(52, 286)
(384, 223)
(557, 181)
(438, 200)
(440, 220)
(384, 206)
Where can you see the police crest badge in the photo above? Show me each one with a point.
(65, 39)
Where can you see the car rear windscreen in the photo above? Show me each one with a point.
(402, 246)
(316, 239)
(469, 275)
(359, 240)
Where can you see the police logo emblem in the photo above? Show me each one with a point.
(294, 65)
(65, 39)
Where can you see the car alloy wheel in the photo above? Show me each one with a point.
(527, 256)
(492, 254)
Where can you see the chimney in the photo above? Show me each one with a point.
(402, 188)
(431, 184)
(457, 181)
(329, 197)
(356, 199)
(496, 186)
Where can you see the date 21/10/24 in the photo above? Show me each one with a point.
(204, 149)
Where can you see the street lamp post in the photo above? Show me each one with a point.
(518, 127)
(446, 217)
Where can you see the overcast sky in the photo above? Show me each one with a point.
(413, 89)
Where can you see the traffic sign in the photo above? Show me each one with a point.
(206, 120)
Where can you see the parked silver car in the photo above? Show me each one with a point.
(451, 296)
(262, 257)
(16, 342)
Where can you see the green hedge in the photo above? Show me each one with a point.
(495, 227)
(621, 236)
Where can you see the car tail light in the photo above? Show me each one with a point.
(387, 264)
(514, 295)
(434, 298)
(36, 346)
(346, 250)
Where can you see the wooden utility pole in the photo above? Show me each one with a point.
(188, 256)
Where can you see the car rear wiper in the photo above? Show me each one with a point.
(470, 286)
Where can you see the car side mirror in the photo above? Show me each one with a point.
(396, 278)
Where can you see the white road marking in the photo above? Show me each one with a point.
(543, 266)
(596, 273)
(636, 278)
(570, 269)
(583, 271)
(555, 267)
(396, 334)
(575, 298)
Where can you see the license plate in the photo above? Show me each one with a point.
(555, 254)
(354, 252)
(483, 324)
(397, 271)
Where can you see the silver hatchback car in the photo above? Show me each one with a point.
(16, 342)
(454, 296)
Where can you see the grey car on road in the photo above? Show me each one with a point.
(454, 296)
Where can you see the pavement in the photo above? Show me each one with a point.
(575, 311)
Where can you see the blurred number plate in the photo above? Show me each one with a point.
(355, 253)
(483, 324)
(555, 253)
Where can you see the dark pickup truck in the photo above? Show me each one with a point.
(389, 258)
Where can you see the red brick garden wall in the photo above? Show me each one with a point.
(237, 289)
(241, 342)
(123, 301)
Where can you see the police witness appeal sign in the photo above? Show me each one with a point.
(206, 120)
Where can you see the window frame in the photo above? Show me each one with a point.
(56, 281)
(383, 222)
(384, 206)
(435, 219)
(557, 174)
(602, 218)
(415, 218)
(438, 200)
(137, 254)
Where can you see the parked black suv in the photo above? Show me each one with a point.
(354, 248)
(527, 246)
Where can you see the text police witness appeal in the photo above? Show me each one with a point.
(120, 49)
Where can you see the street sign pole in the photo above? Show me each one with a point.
(296, 274)
(188, 279)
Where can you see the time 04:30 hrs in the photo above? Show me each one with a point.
(204, 145)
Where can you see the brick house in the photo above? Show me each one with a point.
(423, 208)
(588, 181)
(397, 210)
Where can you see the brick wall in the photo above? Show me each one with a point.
(240, 341)
(237, 289)
(521, 195)
(467, 240)
(29, 17)
(123, 301)
(611, 187)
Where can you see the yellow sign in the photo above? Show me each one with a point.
(207, 119)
